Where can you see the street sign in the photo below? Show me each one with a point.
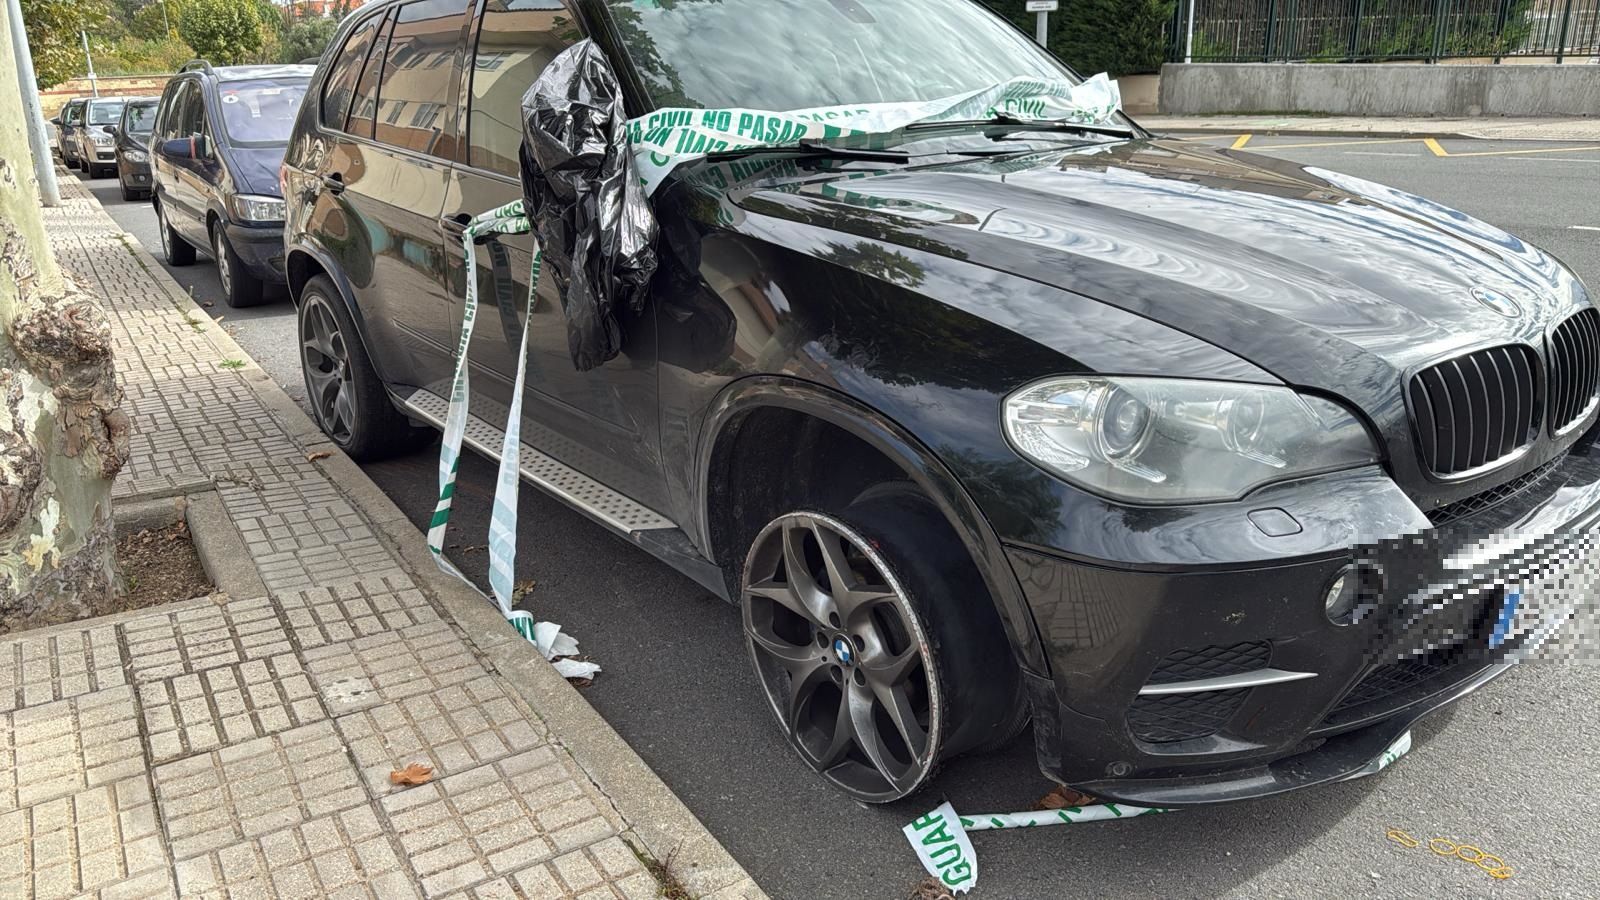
(1044, 5)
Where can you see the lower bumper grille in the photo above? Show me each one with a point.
(1181, 717)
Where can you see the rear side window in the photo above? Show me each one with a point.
(517, 40)
(415, 103)
(364, 105)
(341, 83)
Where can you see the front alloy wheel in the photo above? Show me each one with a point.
(842, 656)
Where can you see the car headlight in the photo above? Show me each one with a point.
(135, 156)
(254, 208)
(102, 140)
(1160, 440)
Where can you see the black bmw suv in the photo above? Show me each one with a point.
(1187, 453)
(218, 141)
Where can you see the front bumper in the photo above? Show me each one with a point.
(260, 250)
(134, 175)
(1119, 639)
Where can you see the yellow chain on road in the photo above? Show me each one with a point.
(1492, 865)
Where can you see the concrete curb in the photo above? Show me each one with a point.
(656, 817)
(1339, 133)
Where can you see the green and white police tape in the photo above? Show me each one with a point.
(508, 219)
(941, 843)
(668, 138)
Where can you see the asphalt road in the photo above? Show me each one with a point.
(1513, 769)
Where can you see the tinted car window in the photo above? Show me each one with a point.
(743, 53)
(139, 118)
(517, 40)
(364, 105)
(341, 83)
(105, 113)
(414, 99)
(73, 114)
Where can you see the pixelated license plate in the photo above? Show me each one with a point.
(1533, 612)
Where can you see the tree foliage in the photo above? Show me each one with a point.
(225, 32)
(52, 27)
(306, 38)
(1121, 37)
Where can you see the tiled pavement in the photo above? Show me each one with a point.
(241, 747)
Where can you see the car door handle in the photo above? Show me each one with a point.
(333, 182)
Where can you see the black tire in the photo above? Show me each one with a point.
(174, 249)
(365, 424)
(924, 597)
(239, 287)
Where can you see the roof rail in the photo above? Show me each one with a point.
(196, 64)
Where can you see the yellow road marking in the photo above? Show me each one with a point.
(1434, 146)
(1240, 141)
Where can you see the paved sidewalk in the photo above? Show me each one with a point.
(1486, 128)
(241, 746)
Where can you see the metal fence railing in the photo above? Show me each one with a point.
(1385, 30)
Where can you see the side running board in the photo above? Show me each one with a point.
(614, 510)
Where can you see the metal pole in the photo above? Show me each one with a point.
(1272, 27)
(94, 86)
(1355, 30)
(44, 169)
(166, 24)
(1041, 31)
(1188, 41)
(1561, 42)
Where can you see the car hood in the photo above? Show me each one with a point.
(1321, 279)
(255, 169)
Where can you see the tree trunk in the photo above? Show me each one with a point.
(63, 437)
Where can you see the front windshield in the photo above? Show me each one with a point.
(140, 119)
(104, 113)
(716, 54)
(260, 112)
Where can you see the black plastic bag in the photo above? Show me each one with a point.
(583, 196)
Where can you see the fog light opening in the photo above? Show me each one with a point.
(1353, 594)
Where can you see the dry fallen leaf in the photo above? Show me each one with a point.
(1064, 797)
(522, 589)
(320, 454)
(930, 889)
(414, 774)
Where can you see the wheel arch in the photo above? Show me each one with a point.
(303, 263)
(743, 402)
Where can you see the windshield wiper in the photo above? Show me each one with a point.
(816, 149)
(1014, 123)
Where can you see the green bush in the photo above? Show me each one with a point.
(1121, 37)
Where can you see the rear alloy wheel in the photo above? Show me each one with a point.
(174, 249)
(346, 397)
(239, 287)
(843, 657)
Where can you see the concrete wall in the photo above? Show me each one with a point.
(1391, 89)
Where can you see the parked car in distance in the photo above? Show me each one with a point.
(96, 150)
(1179, 449)
(132, 136)
(218, 139)
(67, 123)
